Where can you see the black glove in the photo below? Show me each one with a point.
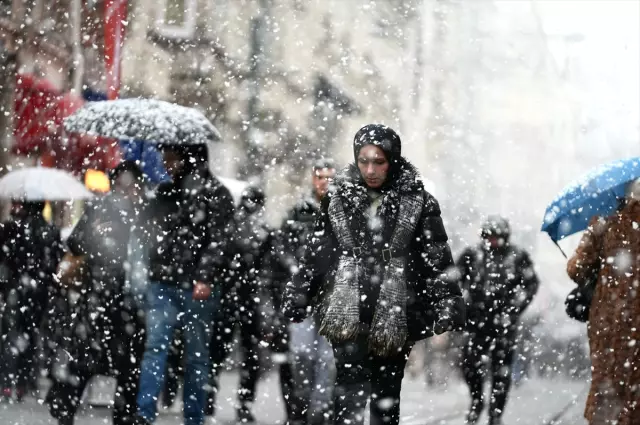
(442, 325)
(295, 309)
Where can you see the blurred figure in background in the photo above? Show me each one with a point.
(498, 282)
(31, 251)
(610, 250)
(104, 279)
(312, 355)
(251, 244)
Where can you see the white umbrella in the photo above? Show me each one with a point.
(42, 184)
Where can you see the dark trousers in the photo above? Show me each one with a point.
(362, 375)
(122, 354)
(499, 344)
(21, 320)
(241, 310)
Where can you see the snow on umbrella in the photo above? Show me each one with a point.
(599, 192)
(150, 120)
(42, 184)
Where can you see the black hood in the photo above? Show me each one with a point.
(386, 139)
(195, 157)
(381, 136)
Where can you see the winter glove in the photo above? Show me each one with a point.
(295, 314)
(451, 315)
(443, 325)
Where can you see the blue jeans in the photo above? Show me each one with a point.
(169, 305)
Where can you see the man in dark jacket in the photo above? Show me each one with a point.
(103, 330)
(189, 232)
(251, 245)
(29, 257)
(312, 356)
(499, 282)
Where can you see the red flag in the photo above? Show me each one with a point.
(114, 27)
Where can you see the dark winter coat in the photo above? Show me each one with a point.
(91, 322)
(103, 231)
(498, 283)
(425, 257)
(295, 230)
(31, 251)
(190, 224)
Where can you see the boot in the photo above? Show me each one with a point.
(244, 415)
(474, 412)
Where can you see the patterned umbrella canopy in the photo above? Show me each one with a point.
(150, 120)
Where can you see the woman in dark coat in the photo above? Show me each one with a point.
(371, 276)
(100, 322)
(31, 251)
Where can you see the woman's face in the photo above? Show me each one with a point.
(373, 166)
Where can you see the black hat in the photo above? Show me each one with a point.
(381, 136)
(324, 163)
(496, 226)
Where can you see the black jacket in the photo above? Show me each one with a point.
(496, 282)
(103, 232)
(427, 256)
(31, 251)
(190, 223)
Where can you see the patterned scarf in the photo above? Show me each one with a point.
(341, 321)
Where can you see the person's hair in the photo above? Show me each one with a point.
(324, 163)
(126, 167)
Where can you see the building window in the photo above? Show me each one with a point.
(176, 18)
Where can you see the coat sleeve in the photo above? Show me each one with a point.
(214, 261)
(79, 241)
(528, 283)
(436, 260)
(320, 255)
(586, 259)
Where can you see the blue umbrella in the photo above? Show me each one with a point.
(599, 192)
(148, 156)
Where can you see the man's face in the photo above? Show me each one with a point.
(172, 162)
(127, 184)
(494, 242)
(321, 179)
(373, 166)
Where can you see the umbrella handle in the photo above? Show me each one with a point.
(556, 242)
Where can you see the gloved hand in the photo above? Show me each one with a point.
(442, 325)
(295, 309)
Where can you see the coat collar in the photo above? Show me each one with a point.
(353, 191)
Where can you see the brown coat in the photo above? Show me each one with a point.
(611, 247)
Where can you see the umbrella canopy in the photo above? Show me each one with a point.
(42, 184)
(150, 120)
(599, 192)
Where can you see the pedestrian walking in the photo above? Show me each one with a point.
(371, 276)
(189, 225)
(97, 321)
(499, 282)
(311, 355)
(607, 257)
(29, 257)
(251, 245)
